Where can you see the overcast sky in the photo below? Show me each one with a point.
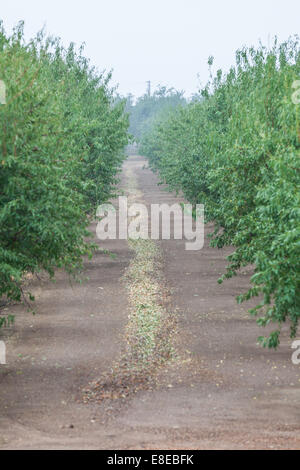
(165, 41)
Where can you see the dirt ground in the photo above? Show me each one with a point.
(223, 392)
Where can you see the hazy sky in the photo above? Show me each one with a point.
(165, 41)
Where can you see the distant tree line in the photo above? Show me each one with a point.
(150, 108)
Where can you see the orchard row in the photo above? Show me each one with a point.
(237, 150)
(62, 135)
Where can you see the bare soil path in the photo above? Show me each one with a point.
(224, 391)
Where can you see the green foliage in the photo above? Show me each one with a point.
(237, 151)
(61, 141)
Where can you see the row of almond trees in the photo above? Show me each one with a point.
(237, 150)
(62, 136)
